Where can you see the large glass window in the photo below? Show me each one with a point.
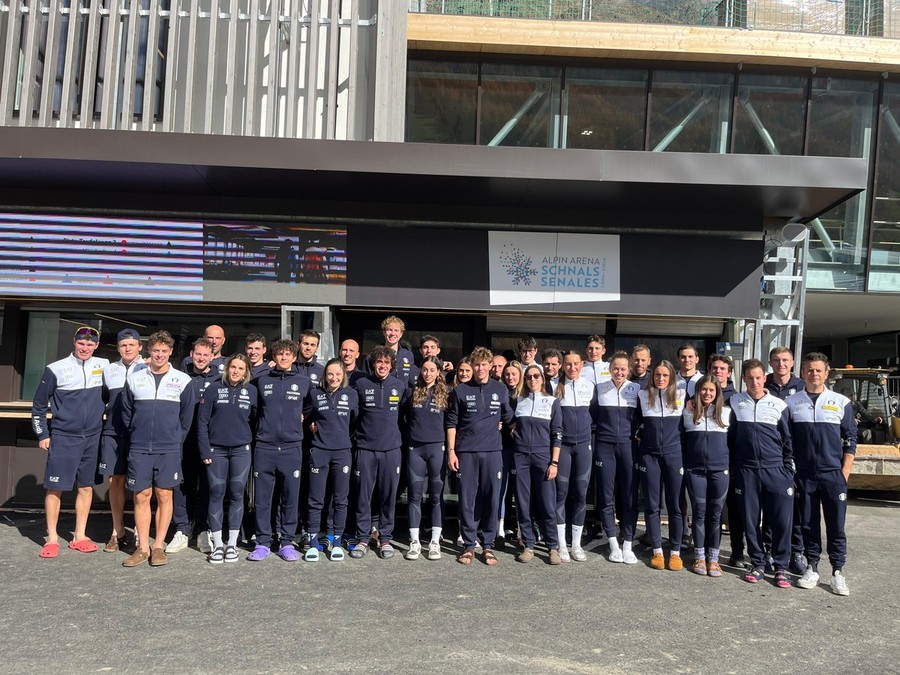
(770, 114)
(520, 105)
(884, 273)
(441, 102)
(690, 111)
(605, 109)
(842, 113)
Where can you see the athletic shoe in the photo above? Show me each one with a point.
(658, 562)
(386, 550)
(754, 575)
(204, 542)
(459, 542)
(699, 567)
(781, 580)
(798, 564)
(810, 578)
(770, 563)
(628, 557)
(359, 550)
(415, 550)
(434, 550)
(527, 555)
(231, 554)
(579, 554)
(839, 583)
(259, 553)
(479, 549)
(305, 539)
(564, 554)
(737, 560)
(555, 558)
(288, 553)
(675, 563)
(179, 543)
(714, 569)
(617, 556)
(217, 557)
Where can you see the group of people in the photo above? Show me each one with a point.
(339, 433)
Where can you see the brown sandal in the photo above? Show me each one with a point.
(466, 557)
(489, 558)
(113, 544)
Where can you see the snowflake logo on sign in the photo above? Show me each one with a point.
(518, 265)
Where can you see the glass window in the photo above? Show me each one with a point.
(520, 105)
(605, 109)
(770, 114)
(884, 273)
(441, 102)
(841, 125)
(689, 111)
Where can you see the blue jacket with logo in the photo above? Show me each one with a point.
(425, 421)
(333, 414)
(225, 417)
(577, 425)
(280, 394)
(114, 376)
(793, 385)
(657, 425)
(380, 401)
(158, 417)
(539, 424)
(314, 370)
(476, 410)
(821, 432)
(404, 366)
(760, 433)
(613, 412)
(705, 444)
(73, 389)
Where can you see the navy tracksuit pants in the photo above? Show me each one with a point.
(381, 469)
(426, 465)
(284, 464)
(707, 490)
(480, 474)
(227, 475)
(325, 465)
(507, 488)
(825, 494)
(770, 492)
(615, 464)
(657, 471)
(531, 473)
(572, 479)
(734, 505)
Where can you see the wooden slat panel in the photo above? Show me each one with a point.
(150, 67)
(51, 60)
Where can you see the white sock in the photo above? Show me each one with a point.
(561, 534)
(414, 535)
(657, 551)
(217, 538)
(233, 537)
(500, 529)
(436, 534)
(614, 544)
(677, 554)
(626, 545)
(576, 536)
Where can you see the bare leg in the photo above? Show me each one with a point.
(142, 518)
(117, 504)
(163, 515)
(83, 500)
(51, 507)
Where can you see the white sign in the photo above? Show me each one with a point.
(532, 268)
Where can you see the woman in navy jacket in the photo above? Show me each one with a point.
(705, 445)
(658, 425)
(330, 409)
(425, 417)
(538, 437)
(224, 434)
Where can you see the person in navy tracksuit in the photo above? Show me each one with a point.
(279, 437)
(760, 441)
(404, 362)
(640, 366)
(537, 436)
(330, 410)
(427, 466)
(576, 458)
(615, 455)
(823, 430)
(705, 451)
(381, 397)
(477, 410)
(73, 389)
(224, 433)
(658, 428)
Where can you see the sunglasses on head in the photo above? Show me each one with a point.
(87, 333)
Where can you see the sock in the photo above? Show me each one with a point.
(614, 544)
(337, 539)
(233, 537)
(626, 545)
(657, 551)
(500, 529)
(561, 534)
(714, 555)
(700, 553)
(677, 554)
(414, 535)
(436, 534)
(217, 538)
(837, 572)
(815, 567)
(576, 536)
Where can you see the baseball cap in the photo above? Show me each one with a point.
(128, 334)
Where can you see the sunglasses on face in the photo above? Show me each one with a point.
(533, 377)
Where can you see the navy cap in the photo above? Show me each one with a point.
(128, 334)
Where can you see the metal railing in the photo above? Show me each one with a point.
(842, 17)
(282, 68)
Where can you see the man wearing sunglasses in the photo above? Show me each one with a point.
(73, 389)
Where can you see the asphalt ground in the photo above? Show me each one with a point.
(84, 613)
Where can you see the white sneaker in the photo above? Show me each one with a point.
(579, 554)
(415, 548)
(839, 584)
(564, 554)
(179, 543)
(628, 557)
(810, 578)
(204, 542)
(434, 550)
(459, 541)
(616, 556)
(479, 549)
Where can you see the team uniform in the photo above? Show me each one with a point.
(114, 439)
(596, 371)
(216, 365)
(688, 383)
(73, 390)
(404, 366)
(426, 463)
(575, 457)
